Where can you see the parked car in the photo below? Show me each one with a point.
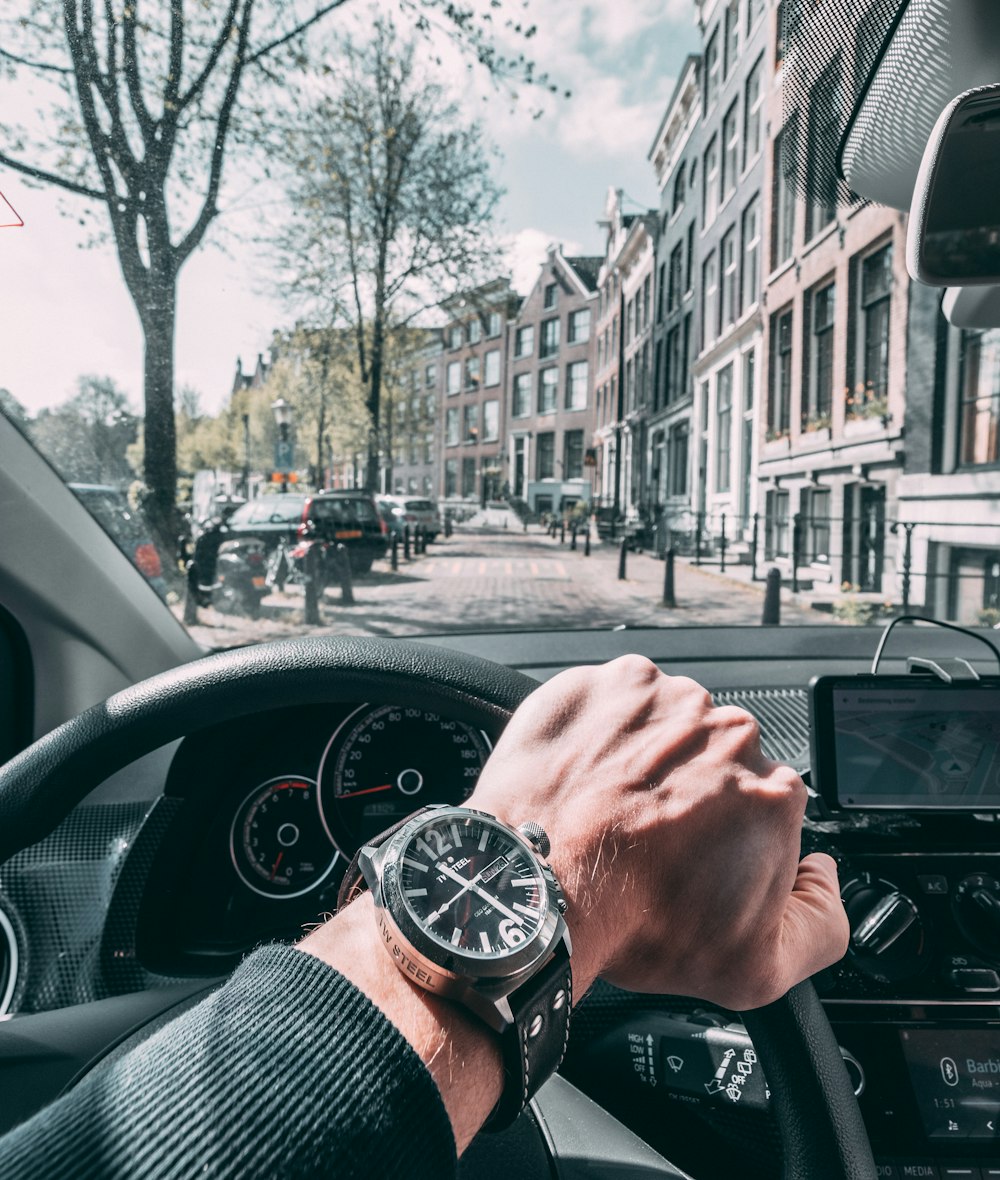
(110, 507)
(270, 519)
(417, 512)
(348, 517)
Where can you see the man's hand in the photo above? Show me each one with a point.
(675, 839)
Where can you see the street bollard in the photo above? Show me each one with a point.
(394, 559)
(406, 542)
(346, 581)
(668, 579)
(586, 542)
(524, 524)
(562, 533)
(623, 550)
(312, 587)
(572, 538)
(418, 540)
(772, 598)
(447, 526)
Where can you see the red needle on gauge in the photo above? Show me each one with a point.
(274, 868)
(367, 791)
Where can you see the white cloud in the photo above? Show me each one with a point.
(526, 251)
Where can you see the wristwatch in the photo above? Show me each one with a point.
(469, 911)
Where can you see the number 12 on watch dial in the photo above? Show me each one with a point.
(471, 887)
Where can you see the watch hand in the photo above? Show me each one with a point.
(497, 904)
(466, 886)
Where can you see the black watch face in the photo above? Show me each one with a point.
(471, 886)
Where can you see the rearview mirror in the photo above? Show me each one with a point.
(953, 238)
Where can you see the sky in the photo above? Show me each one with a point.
(64, 309)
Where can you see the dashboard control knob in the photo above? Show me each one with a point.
(976, 904)
(887, 935)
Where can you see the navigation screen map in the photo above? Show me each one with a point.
(921, 747)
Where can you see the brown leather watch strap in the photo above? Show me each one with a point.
(353, 884)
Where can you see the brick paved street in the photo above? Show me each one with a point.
(504, 579)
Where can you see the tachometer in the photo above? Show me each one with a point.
(385, 762)
(278, 843)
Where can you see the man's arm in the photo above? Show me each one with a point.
(677, 845)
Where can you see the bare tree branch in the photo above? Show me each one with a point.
(43, 66)
(318, 15)
(41, 174)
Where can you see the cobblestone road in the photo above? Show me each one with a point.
(482, 581)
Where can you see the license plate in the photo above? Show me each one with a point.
(259, 583)
(347, 535)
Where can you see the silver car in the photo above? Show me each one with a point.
(417, 512)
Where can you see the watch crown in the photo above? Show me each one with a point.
(536, 837)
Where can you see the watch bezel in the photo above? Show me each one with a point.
(507, 970)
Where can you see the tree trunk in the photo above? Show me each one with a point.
(160, 457)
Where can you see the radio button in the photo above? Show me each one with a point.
(960, 1172)
(919, 1171)
(975, 979)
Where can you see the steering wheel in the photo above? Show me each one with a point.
(818, 1117)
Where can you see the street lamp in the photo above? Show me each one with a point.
(283, 411)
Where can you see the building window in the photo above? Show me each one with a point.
(524, 341)
(870, 395)
(573, 454)
(454, 377)
(824, 139)
(690, 259)
(755, 10)
(474, 331)
(780, 44)
(468, 477)
(545, 455)
(470, 431)
(551, 297)
(674, 377)
(550, 338)
(494, 325)
(428, 451)
(492, 374)
(818, 400)
(677, 459)
(491, 421)
(472, 372)
(548, 387)
(723, 428)
(578, 328)
(815, 508)
(430, 376)
(732, 23)
(647, 284)
(980, 400)
(747, 432)
(779, 406)
(782, 203)
(710, 182)
(576, 385)
(753, 117)
(730, 152)
(750, 278)
(430, 405)
(680, 189)
(451, 477)
(455, 337)
(451, 427)
(712, 67)
(729, 277)
(675, 281)
(522, 395)
(710, 299)
(776, 530)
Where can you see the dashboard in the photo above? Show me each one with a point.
(241, 833)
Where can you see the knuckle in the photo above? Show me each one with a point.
(684, 685)
(634, 667)
(745, 727)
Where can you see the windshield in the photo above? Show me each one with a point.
(565, 283)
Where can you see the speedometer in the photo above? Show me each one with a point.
(384, 763)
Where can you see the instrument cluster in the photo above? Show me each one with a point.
(270, 810)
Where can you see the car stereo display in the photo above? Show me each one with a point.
(887, 742)
(956, 1080)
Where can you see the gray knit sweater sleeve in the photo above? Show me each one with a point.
(286, 1071)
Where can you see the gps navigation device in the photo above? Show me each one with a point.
(906, 743)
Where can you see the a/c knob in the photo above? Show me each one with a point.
(887, 935)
